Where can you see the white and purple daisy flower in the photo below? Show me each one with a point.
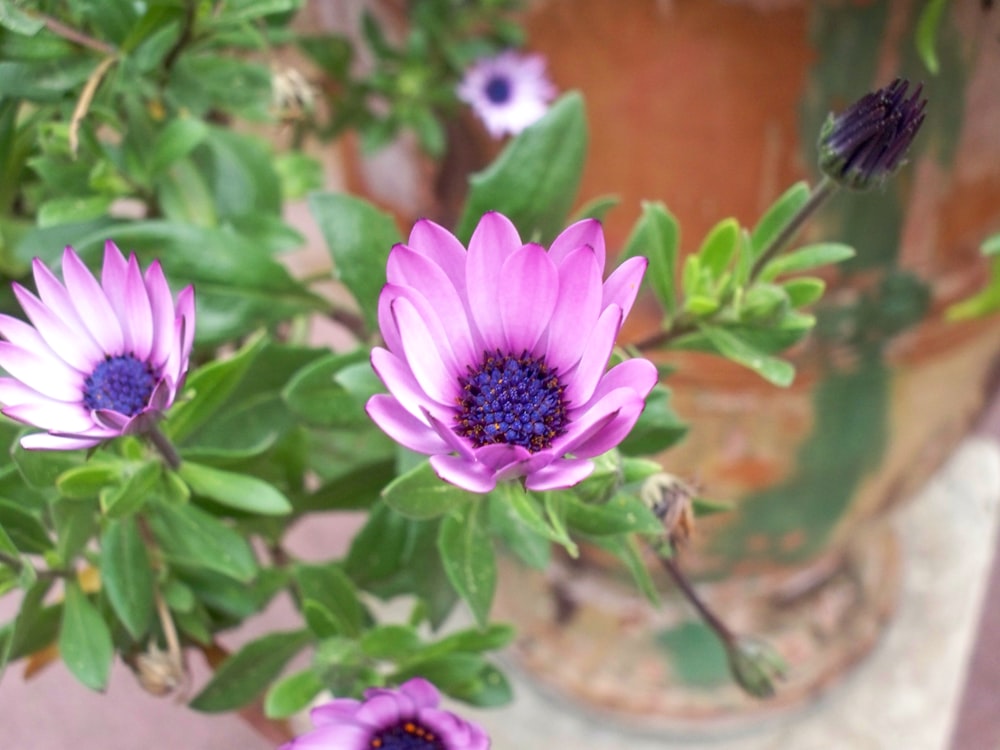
(404, 719)
(508, 92)
(101, 359)
(495, 358)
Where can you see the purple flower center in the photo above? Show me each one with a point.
(513, 400)
(498, 89)
(406, 735)
(122, 384)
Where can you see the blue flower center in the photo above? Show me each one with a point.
(122, 384)
(406, 735)
(498, 90)
(513, 400)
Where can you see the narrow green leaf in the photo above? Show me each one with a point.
(16, 20)
(656, 235)
(534, 180)
(927, 27)
(24, 529)
(127, 576)
(732, 347)
(390, 642)
(40, 469)
(84, 639)
(490, 638)
(719, 246)
(526, 509)
(622, 514)
(319, 395)
(467, 554)
(777, 216)
(83, 482)
(240, 491)
(329, 586)
(75, 524)
(178, 139)
(128, 497)
(292, 694)
(804, 290)
(190, 536)
(806, 258)
(626, 549)
(208, 388)
(246, 674)
(69, 210)
(359, 238)
(421, 494)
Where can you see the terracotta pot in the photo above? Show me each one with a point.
(714, 108)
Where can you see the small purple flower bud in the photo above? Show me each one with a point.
(865, 145)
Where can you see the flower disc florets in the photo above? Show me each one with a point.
(404, 719)
(867, 143)
(496, 358)
(101, 359)
(507, 92)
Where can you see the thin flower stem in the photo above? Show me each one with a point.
(77, 37)
(162, 443)
(819, 195)
(17, 564)
(86, 97)
(711, 619)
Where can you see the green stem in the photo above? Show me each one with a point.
(711, 619)
(17, 564)
(162, 443)
(819, 195)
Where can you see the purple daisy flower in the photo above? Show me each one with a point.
(508, 92)
(403, 719)
(102, 359)
(495, 358)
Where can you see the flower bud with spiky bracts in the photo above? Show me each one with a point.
(863, 146)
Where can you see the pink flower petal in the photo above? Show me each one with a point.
(80, 352)
(576, 311)
(398, 378)
(334, 711)
(403, 427)
(379, 711)
(161, 306)
(137, 313)
(443, 248)
(44, 373)
(55, 297)
(43, 441)
(638, 374)
(586, 232)
(409, 268)
(529, 287)
(421, 692)
(612, 432)
(463, 473)
(51, 415)
(424, 354)
(622, 286)
(92, 304)
(595, 357)
(559, 475)
(493, 241)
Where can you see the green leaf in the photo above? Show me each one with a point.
(127, 576)
(292, 694)
(247, 10)
(777, 216)
(84, 639)
(75, 524)
(24, 529)
(40, 469)
(245, 674)
(622, 514)
(208, 388)
(806, 258)
(330, 587)
(991, 246)
(377, 550)
(764, 303)
(178, 139)
(421, 494)
(804, 290)
(531, 547)
(16, 20)
(525, 507)
(467, 554)
(597, 208)
(927, 27)
(390, 642)
(657, 428)
(534, 180)
(190, 536)
(656, 235)
(492, 637)
(128, 497)
(356, 489)
(83, 482)
(324, 393)
(359, 238)
(738, 350)
(719, 246)
(240, 491)
(72, 209)
(626, 549)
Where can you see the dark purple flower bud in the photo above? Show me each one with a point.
(866, 144)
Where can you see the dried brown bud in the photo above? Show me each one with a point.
(159, 672)
(671, 500)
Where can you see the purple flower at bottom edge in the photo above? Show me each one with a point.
(101, 359)
(507, 92)
(496, 358)
(407, 718)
